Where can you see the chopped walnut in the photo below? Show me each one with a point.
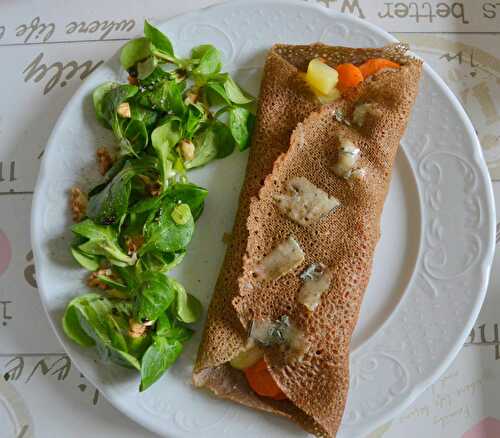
(191, 98)
(348, 156)
(153, 189)
(136, 329)
(192, 95)
(104, 160)
(180, 74)
(134, 243)
(187, 149)
(95, 282)
(78, 201)
(132, 80)
(124, 110)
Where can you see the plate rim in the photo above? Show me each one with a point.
(485, 266)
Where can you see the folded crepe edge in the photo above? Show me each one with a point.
(227, 322)
(228, 383)
(300, 55)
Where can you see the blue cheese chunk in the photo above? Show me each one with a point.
(281, 260)
(268, 333)
(305, 203)
(282, 333)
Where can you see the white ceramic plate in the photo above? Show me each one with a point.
(431, 265)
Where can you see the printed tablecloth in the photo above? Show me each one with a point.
(47, 49)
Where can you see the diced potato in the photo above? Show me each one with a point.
(321, 77)
(247, 358)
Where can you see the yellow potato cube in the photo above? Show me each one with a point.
(321, 77)
(247, 358)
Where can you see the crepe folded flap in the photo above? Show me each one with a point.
(296, 136)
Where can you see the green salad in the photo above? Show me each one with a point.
(174, 114)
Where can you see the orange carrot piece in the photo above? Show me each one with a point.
(260, 380)
(373, 66)
(280, 396)
(349, 76)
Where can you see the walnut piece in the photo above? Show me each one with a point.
(136, 329)
(104, 160)
(124, 110)
(134, 243)
(153, 189)
(192, 96)
(78, 204)
(95, 282)
(132, 80)
(187, 150)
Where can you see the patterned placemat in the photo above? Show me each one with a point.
(48, 48)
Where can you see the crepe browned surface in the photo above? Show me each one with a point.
(344, 241)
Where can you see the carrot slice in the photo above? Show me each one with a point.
(260, 380)
(349, 76)
(373, 66)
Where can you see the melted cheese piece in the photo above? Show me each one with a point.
(282, 333)
(316, 282)
(281, 260)
(360, 112)
(305, 203)
(297, 343)
(267, 332)
(348, 156)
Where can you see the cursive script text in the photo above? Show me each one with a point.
(57, 72)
